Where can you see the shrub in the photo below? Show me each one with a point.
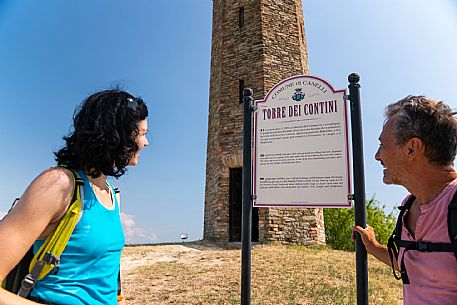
(339, 223)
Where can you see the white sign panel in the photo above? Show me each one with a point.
(301, 146)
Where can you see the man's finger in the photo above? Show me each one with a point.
(357, 229)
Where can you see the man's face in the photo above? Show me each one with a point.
(391, 156)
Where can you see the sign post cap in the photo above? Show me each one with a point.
(247, 92)
(353, 78)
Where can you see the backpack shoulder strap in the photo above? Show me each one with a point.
(452, 222)
(396, 234)
(119, 282)
(48, 255)
(393, 247)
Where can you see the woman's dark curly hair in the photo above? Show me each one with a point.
(105, 129)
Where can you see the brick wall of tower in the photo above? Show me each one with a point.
(236, 55)
(268, 48)
(284, 40)
(286, 55)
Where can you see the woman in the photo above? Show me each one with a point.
(109, 133)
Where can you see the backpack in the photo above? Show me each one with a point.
(395, 242)
(32, 268)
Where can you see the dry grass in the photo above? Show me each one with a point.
(197, 273)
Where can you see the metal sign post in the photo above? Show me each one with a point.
(314, 115)
(247, 200)
(359, 188)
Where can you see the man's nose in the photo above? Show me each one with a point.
(377, 155)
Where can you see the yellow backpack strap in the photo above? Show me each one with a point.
(48, 255)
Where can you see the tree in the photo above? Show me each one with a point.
(339, 223)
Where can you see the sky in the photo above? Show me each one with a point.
(53, 54)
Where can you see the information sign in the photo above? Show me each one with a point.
(301, 146)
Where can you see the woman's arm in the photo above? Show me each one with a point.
(8, 298)
(35, 215)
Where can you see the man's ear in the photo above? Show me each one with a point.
(415, 147)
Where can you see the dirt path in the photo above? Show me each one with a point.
(137, 256)
(161, 286)
(140, 256)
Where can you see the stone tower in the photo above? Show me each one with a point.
(255, 44)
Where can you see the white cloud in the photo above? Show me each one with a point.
(133, 233)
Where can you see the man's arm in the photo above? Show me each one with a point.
(373, 246)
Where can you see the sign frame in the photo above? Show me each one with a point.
(346, 157)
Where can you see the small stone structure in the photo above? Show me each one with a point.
(255, 44)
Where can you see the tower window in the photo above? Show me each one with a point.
(241, 17)
(241, 88)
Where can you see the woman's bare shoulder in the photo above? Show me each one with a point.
(43, 203)
(57, 177)
(51, 189)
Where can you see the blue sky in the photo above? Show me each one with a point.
(55, 53)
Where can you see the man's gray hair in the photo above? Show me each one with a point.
(431, 121)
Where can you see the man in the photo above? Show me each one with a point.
(417, 150)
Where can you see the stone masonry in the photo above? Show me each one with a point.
(258, 42)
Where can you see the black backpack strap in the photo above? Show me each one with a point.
(119, 282)
(421, 246)
(452, 222)
(12, 206)
(425, 246)
(78, 183)
(395, 242)
(393, 251)
(393, 246)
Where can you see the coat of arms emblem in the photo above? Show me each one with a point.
(298, 95)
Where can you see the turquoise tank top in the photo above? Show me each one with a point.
(89, 265)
